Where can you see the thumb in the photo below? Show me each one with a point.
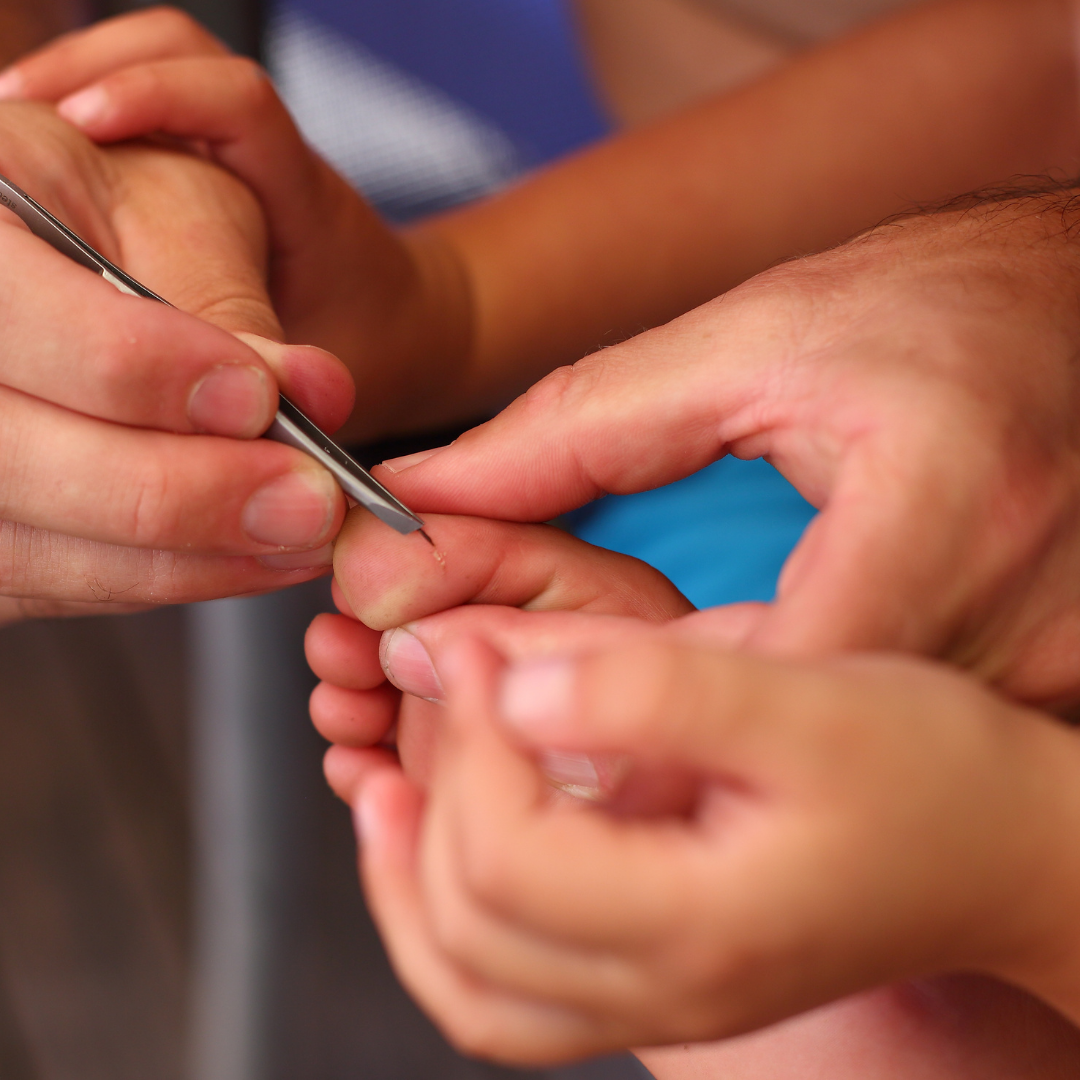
(900, 558)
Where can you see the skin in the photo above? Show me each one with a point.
(852, 821)
(974, 297)
(451, 319)
(451, 277)
(154, 484)
(948, 1027)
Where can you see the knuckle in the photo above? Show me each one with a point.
(151, 518)
(552, 393)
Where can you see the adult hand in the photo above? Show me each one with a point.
(849, 823)
(918, 385)
(129, 469)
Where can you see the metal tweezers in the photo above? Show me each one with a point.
(290, 426)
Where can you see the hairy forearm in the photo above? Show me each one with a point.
(937, 101)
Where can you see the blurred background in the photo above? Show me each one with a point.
(178, 897)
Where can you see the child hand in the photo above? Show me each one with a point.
(388, 583)
(851, 823)
(340, 277)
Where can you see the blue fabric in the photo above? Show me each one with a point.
(721, 535)
(516, 62)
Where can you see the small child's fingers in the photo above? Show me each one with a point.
(354, 718)
(314, 380)
(389, 582)
(344, 652)
(82, 57)
(347, 770)
(230, 104)
(213, 98)
(481, 1020)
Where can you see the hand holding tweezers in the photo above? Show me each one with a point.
(290, 426)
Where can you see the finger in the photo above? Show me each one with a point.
(344, 652)
(347, 769)
(78, 58)
(411, 656)
(417, 737)
(120, 358)
(516, 852)
(478, 1019)
(464, 887)
(314, 380)
(354, 718)
(231, 104)
(477, 561)
(68, 473)
(40, 568)
(667, 699)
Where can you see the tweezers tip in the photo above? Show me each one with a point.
(426, 537)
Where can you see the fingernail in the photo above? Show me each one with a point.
(12, 86)
(293, 511)
(595, 778)
(400, 464)
(408, 665)
(537, 693)
(575, 774)
(234, 400)
(300, 560)
(84, 107)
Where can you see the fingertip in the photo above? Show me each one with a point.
(12, 85)
(315, 380)
(386, 814)
(87, 109)
(343, 651)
